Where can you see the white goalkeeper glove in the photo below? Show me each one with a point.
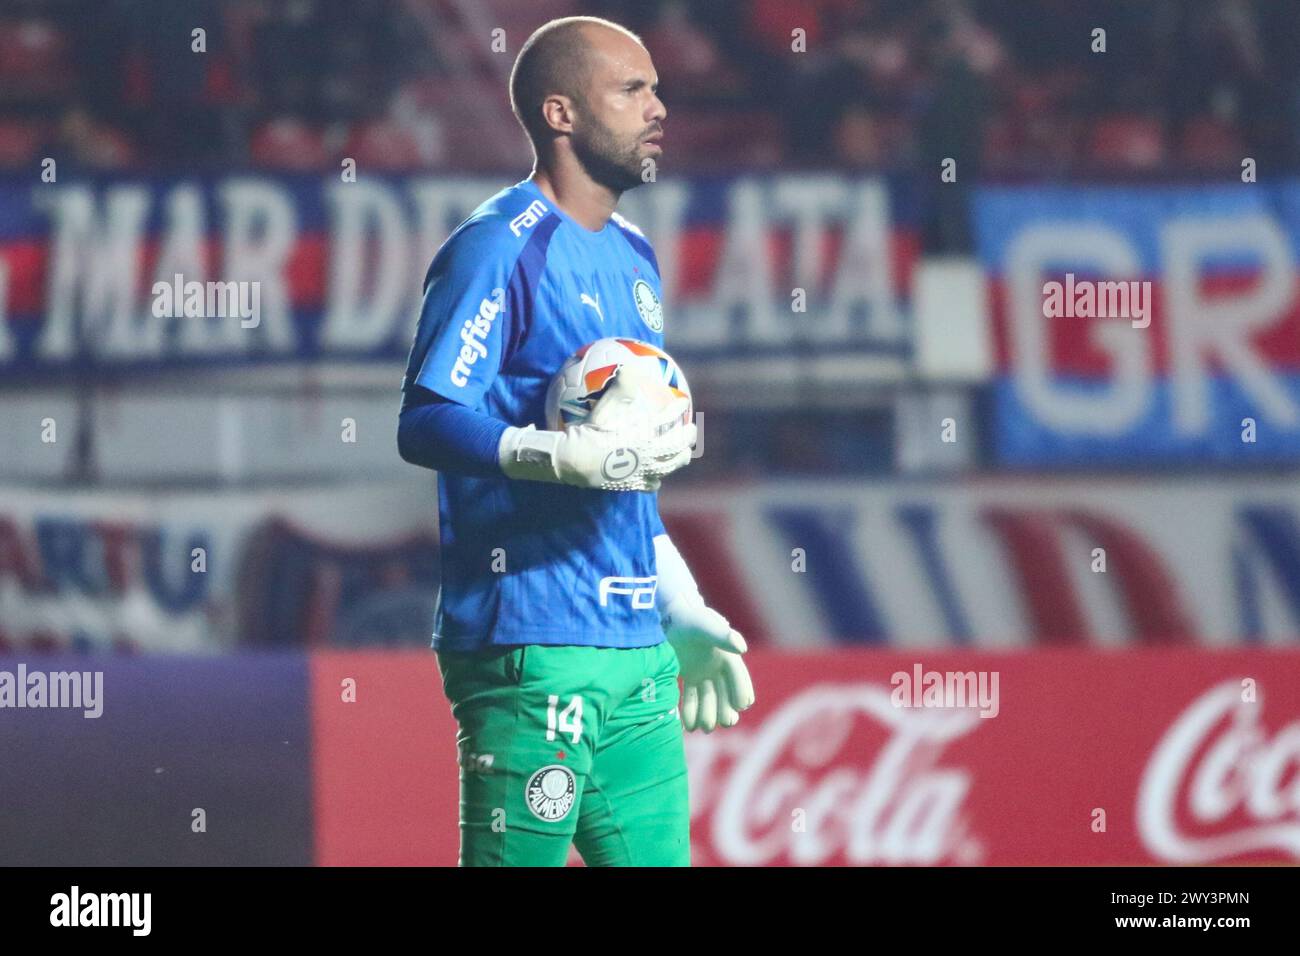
(633, 437)
(715, 682)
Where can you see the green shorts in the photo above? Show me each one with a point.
(569, 745)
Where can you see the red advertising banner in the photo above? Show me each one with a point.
(384, 775)
(854, 758)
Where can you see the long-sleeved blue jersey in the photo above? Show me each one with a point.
(513, 292)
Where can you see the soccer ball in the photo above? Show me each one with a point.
(588, 372)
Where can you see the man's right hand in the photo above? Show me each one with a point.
(637, 433)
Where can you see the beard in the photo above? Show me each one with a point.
(614, 164)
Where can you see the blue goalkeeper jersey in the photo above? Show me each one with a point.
(514, 291)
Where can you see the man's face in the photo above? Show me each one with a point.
(619, 116)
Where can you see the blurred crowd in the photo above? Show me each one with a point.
(1005, 87)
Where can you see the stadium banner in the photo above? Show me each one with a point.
(785, 280)
(867, 757)
(1143, 325)
(1003, 564)
(202, 573)
(849, 757)
(115, 760)
(1045, 758)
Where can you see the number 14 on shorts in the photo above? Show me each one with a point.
(570, 719)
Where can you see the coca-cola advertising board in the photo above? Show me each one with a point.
(1065, 757)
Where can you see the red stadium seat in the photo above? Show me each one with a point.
(384, 145)
(33, 60)
(1053, 142)
(1127, 142)
(1210, 142)
(1004, 139)
(289, 144)
(110, 148)
(19, 143)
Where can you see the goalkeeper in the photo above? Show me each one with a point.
(559, 583)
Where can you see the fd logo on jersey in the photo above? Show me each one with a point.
(647, 305)
(550, 792)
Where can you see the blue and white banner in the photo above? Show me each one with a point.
(1154, 325)
(776, 280)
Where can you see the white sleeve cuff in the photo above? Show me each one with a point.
(528, 454)
(675, 580)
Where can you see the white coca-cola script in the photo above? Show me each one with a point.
(838, 773)
(1242, 796)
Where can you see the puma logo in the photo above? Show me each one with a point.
(594, 303)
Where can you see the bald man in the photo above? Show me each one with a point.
(566, 615)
